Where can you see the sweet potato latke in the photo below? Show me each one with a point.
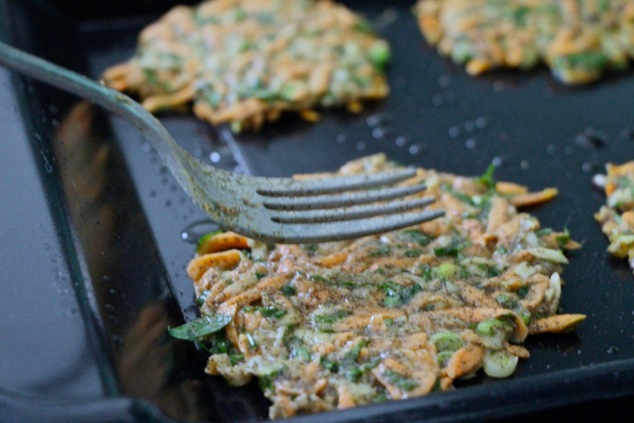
(617, 216)
(394, 316)
(247, 61)
(578, 39)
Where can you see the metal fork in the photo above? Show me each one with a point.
(281, 210)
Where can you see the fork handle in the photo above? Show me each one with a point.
(110, 99)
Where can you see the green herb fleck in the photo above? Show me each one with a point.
(487, 177)
(200, 301)
(563, 238)
(302, 353)
(522, 292)
(426, 272)
(379, 54)
(447, 251)
(543, 232)
(353, 353)
(381, 250)
(288, 290)
(396, 294)
(319, 278)
(310, 248)
(589, 61)
(324, 321)
(236, 358)
(364, 27)
(203, 326)
(329, 365)
(401, 382)
(417, 236)
(267, 311)
(506, 301)
(353, 374)
(413, 253)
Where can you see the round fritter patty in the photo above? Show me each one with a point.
(247, 61)
(617, 215)
(390, 316)
(578, 39)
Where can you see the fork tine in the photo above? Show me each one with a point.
(337, 231)
(339, 200)
(286, 187)
(351, 213)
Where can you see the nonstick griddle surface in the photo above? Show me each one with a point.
(537, 131)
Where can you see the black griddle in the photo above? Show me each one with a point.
(95, 233)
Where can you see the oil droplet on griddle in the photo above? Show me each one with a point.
(379, 119)
(372, 120)
(590, 167)
(378, 133)
(444, 80)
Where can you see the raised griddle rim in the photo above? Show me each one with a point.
(588, 389)
(528, 396)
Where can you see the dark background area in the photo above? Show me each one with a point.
(95, 233)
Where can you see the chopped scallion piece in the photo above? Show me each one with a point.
(499, 364)
(446, 341)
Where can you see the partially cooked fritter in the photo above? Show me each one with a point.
(392, 316)
(578, 39)
(247, 61)
(617, 216)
